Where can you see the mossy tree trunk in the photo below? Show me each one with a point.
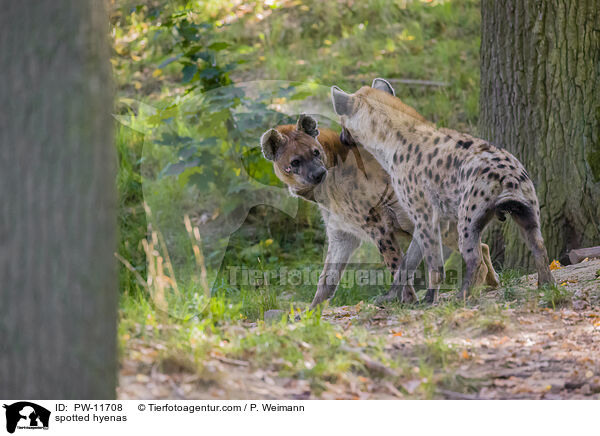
(540, 99)
(57, 215)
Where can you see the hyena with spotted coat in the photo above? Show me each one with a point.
(354, 194)
(446, 181)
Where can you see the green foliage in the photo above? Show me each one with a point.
(131, 217)
(196, 49)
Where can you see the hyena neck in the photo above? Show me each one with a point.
(337, 154)
(400, 133)
(335, 151)
(307, 194)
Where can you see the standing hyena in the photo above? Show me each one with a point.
(353, 193)
(444, 180)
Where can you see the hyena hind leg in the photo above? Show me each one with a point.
(491, 279)
(527, 218)
(535, 242)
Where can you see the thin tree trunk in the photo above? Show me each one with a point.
(540, 99)
(57, 215)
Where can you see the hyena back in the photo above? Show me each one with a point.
(443, 180)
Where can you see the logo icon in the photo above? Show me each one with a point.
(26, 415)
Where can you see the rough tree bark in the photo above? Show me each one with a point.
(540, 99)
(57, 215)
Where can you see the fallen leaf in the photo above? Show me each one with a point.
(503, 340)
(555, 265)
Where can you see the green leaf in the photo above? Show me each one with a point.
(218, 46)
(209, 73)
(169, 60)
(188, 72)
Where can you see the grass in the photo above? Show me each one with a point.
(554, 296)
(509, 282)
(350, 44)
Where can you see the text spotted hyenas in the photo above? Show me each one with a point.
(354, 195)
(444, 180)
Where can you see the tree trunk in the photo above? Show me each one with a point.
(540, 99)
(57, 215)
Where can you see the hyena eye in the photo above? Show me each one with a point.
(316, 152)
(295, 163)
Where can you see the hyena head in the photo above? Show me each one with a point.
(298, 157)
(370, 111)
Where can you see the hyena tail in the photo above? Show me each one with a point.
(512, 201)
(525, 213)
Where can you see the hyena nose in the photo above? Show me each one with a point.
(318, 176)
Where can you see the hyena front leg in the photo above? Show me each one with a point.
(402, 288)
(431, 240)
(339, 249)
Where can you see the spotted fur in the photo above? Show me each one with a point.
(447, 182)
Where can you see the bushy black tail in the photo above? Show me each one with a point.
(517, 206)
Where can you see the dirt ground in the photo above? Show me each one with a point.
(521, 351)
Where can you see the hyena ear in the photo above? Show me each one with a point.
(343, 103)
(383, 85)
(271, 141)
(308, 125)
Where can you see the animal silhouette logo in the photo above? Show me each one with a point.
(26, 415)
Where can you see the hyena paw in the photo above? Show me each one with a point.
(391, 296)
(409, 295)
(431, 296)
(461, 294)
(493, 280)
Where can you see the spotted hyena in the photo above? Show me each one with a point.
(354, 194)
(445, 181)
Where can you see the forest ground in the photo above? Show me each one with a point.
(514, 342)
